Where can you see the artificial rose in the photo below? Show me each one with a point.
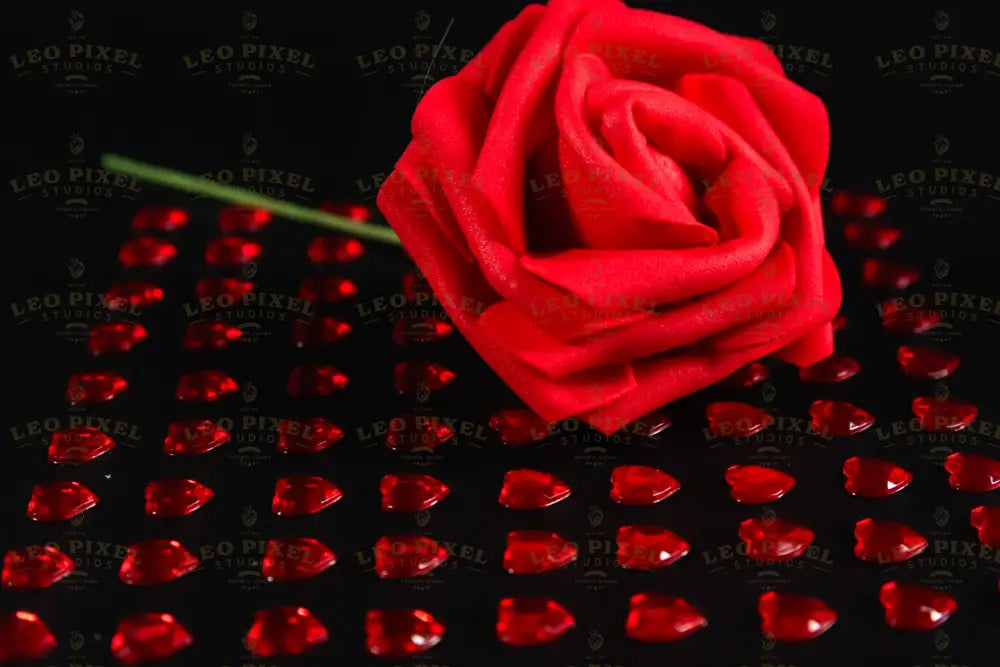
(618, 207)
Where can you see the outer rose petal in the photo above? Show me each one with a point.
(667, 378)
(768, 287)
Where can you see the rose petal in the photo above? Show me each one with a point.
(660, 380)
(639, 276)
(802, 226)
(766, 288)
(451, 279)
(453, 201)
(617, 210)
(682, 47)
(517, 112)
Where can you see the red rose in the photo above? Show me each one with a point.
(619, 207)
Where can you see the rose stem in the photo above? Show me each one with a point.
(179, 180)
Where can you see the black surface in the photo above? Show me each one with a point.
(340, 127)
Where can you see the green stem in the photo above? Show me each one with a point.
(179, 180)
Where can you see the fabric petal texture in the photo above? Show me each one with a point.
(632, 196)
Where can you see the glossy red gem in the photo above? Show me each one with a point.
(190, 437)
(417, 433)
(419, 377)
(132, 293)
(943, 414)
(874, 478)
(649, 547)
(986, 520)
(314, 381)
(532, 621)
(78, 445)
(734, 419)
(146, 251)
(35, 567)
(319, 330)
(169, 498)
(877, 272)
(294, 558)
(109, 337)
(898, 317)
(519, 427)
(794, 618)
(411, 492)
(857, 204)
(530, 490)
(747, 376)
(224, 290)
(972, 472)
(650, 424)
(774, 539)
(419, 330)
(757, 484)
(56, 501)
(839, 419)
(883, 541)
(641, 485)
(327, 289)
(352, 210)
(397, 633)
(96, 387)
(303, 494)
(835, 368)
(23, 636)
(231, 250)
(207, 335)
(156, 562)
(926, 362)
(307, 436)
(416, 287)
(284, 630)
(536, 551)
(915, 607)
(159, 219)
(240, 220)
(871, 235)
(654, 617)
(334, 249)
(204, 386)
(402, 556)
(149, 637)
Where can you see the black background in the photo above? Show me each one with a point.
(338, 126)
